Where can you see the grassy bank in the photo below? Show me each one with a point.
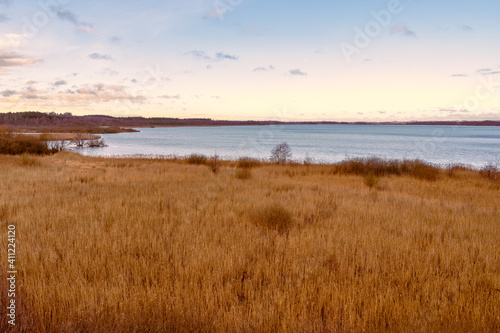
(125, 245)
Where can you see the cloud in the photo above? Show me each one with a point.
(60, 83)
(8, 93)
(459, 75)
(12, 41)
(69, 16)
(223, 56)
(264, 69)
(453, 110)
(484, 70)
(12, 59)
(115, 40)
(170, 96)
(198, 54)
(5, 2)
(3, 18)
(402, 29)
(466, 28)
(297, 72)
(98, 56)
(108, 71)
(218, 56)
(33, 96)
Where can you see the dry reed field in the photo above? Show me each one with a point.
(137, 245)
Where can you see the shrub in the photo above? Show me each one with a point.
(197, 159)
(379, 167)
(281, 154)
(16, 145)
(248, 162)
(425, 171)
(489, 171)
(243, 173)
(274, 217)
(371, 180)
(214, 163)
(79, 140)
(94, 143)
(28, 160)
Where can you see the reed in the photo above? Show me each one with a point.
(134, 245)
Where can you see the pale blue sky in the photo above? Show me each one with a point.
(253, 59)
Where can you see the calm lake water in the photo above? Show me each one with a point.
(476, 146)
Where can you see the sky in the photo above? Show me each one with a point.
(327, 60)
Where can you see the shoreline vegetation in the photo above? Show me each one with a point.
(45, 144)
(33, 121)
(197, 244)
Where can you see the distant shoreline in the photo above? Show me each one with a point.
(33, 121)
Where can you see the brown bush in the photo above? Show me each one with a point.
(197, 159)
(274, 217)
(248, 162)
(17, 145)
(243, 173)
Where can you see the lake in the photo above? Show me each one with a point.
(476, 146)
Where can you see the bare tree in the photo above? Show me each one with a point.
(281, 153)
(79, 140)
(214, 163)
(93, 143)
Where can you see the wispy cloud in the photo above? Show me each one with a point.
(264, 69)
(109, 71)
(222, 56)
(60, 83)
(98, 56)
(297, 72)
(171, 96)
(453, 110)
(459, 75)
(8, 93)
(198, 54)
(484, 70)
(12, 59)
(115, 40)
(218, 56)
(402, 29)
(84, 95)
(466, 28)
(69, 16)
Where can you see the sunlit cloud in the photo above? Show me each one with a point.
(12, 59)
(98, 56)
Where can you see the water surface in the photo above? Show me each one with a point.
(476, 146)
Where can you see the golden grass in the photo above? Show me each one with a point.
(131, 245)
